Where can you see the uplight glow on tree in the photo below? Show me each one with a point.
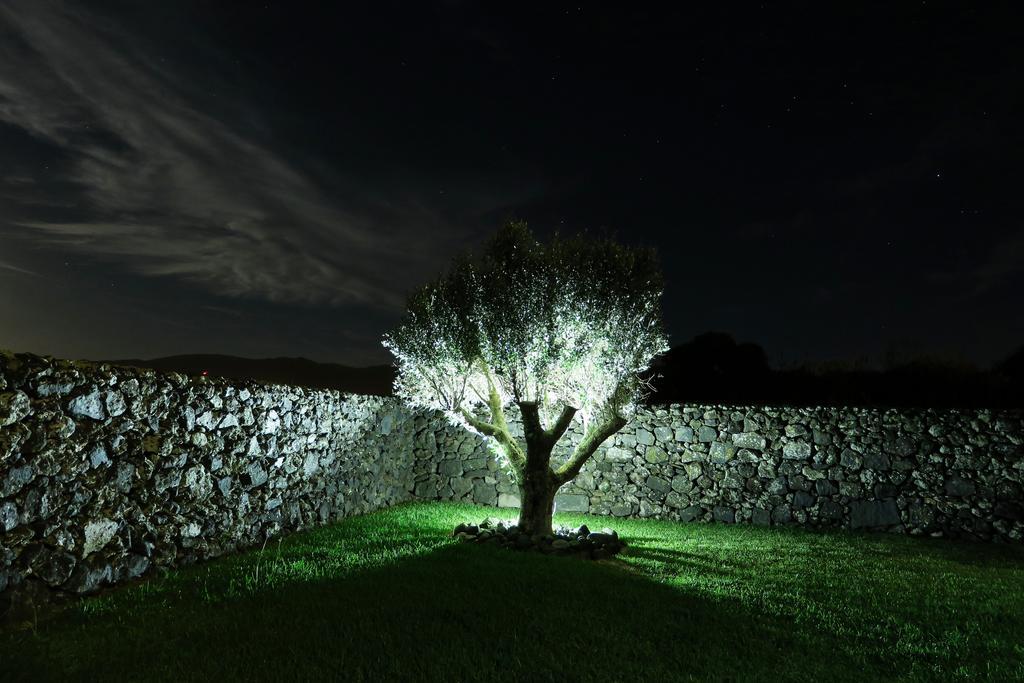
(559, 331)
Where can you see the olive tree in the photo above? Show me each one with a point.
(559, 331)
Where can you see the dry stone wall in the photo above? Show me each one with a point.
(956, 473)
(108, 472)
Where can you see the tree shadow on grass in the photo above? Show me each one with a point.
(458, 613)
(964, 552)
(695, 561)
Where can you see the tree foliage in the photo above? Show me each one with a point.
(563, 327)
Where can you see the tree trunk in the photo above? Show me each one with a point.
(536, 493)
(537, 500)
(538, 483)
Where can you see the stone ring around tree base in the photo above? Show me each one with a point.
(580, 542)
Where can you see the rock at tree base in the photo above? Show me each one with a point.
(579, 542)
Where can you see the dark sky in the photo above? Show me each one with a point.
(268, 179)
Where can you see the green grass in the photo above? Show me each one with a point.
(390, 596)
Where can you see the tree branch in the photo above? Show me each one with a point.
(479, 425)
(434, 384)
(561, 424)
(533, 431)
(593, 438)
(494, 399)
(515, 453)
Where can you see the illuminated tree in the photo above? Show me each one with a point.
(559, 331)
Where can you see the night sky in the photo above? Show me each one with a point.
(271, 179)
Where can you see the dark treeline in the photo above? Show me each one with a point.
(713, 368)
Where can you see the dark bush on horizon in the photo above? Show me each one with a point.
(713, 368)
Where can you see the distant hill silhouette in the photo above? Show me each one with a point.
(376, 379)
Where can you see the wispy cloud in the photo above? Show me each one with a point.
(165, 187)
(16, 269)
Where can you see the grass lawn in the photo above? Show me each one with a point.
(391, 596)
